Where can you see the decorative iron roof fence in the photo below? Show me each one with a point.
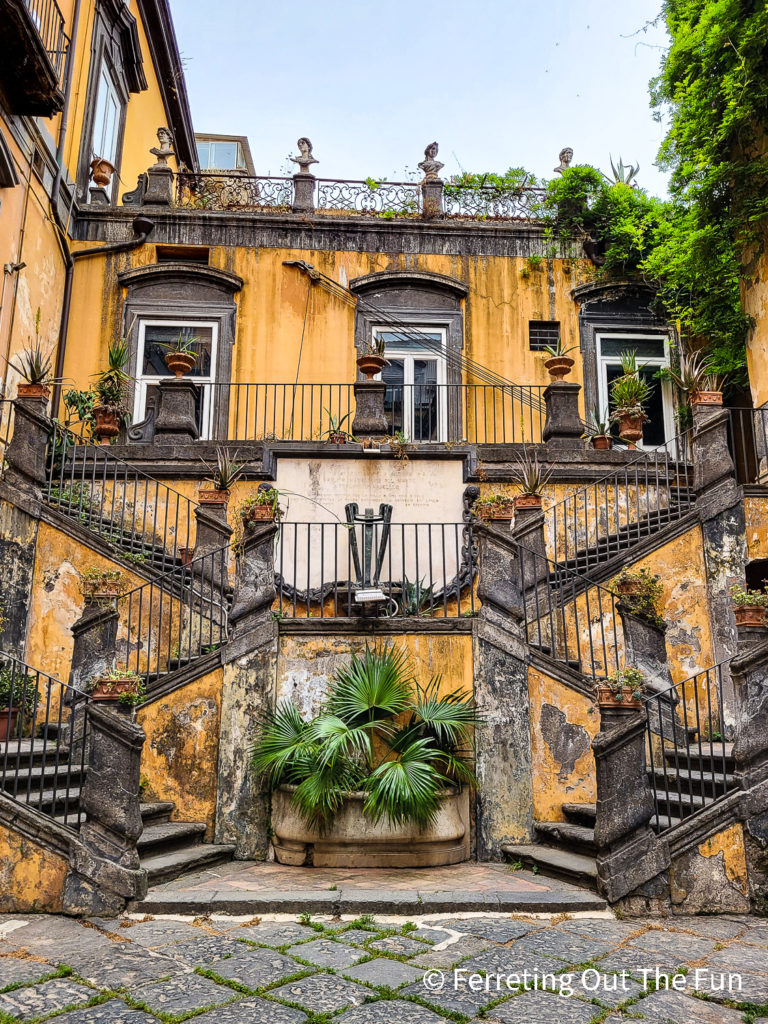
(229, 190)
(49, 22)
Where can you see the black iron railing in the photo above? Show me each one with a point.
(601, 519)
(475, 413)
(176, 619)
(570, 618)
(146, 521)
(420, 569)
(748, 443)
(43, 740)
(689, 760)
(229, 190)
(49, 22)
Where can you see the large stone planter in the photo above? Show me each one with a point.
(355, 841)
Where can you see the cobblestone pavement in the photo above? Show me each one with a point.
(221, 970)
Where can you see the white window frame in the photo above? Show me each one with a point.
(408, 356)
(628, 342)
(106, 91)
(145, 380)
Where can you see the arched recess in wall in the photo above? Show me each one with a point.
(420, 316)
(163, 300)
(616, 317)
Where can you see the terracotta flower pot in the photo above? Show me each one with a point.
(370, 365)
(602, 442)
(497, 511)
(749, 615)
(8, 718)
(527, 501)
(110, 690)
(101, 172)
(559, 366)
(629, 588)
(179, 363)
(339, 437)
(211, 496)
(609, 698)
(107, 421)
(103, 593)
(707, 398)
(259, 514)
(34, 391)
(631, 426)
(186, 555)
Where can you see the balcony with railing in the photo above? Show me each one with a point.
(33, 54)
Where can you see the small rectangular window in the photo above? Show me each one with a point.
(182, 254)
(106, 122)
(543, 334)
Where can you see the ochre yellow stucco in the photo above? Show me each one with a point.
(180, 757)
(730, 844)
(31, 877)
(756, 517)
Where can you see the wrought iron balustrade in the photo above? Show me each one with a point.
(228, 190)
(145, 520)
(474, 413)
(43, 756)
(387, 198)
(748, 443)
(492, 202)
(49, 22)
(689, 760)
(421, 569)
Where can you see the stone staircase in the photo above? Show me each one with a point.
(44, 781)
(566, 849)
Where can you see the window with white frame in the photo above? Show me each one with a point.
(652, 354)
(415, 398)
(154, 339)
(106, 118)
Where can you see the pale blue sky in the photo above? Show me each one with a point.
(496, 83)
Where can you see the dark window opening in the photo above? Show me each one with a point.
(182, 254)
(653, 428)
(543, 334)
(757, 574)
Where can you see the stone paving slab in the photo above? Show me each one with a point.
(14, 972)
(328, 953)
(676, 1008)
(543, 1008)
(382, 972)
(252, 1010)
(38, 1000)
(390, 1012)
(322, 993)
(257, 968)
(114, 1011)
(183, 995)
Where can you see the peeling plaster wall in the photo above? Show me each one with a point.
(756, 516)
(711, 877)
(180, 757)
(31, 877)
(562, 763)
(18, 532)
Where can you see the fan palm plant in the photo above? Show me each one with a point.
(379, 731)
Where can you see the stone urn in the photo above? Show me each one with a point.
(102, 171)
(602, 442)
(631, 425)
(180, 363)
(107, 422)
(749, 615)
(355, 841)
(213, 496)
(371, 364)
(559, 366)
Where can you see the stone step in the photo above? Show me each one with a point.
(719, 756)
(554, 863)
(167, 836)
(567, 836)
(166, 866)
(580, 814)
(27, 752)
(154, 813)
(56, 802)
(19, 782)
(708, 784)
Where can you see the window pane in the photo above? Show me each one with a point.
(204, 155)
(645, 348)
(158, 335)
(424, 400)
(653, 430)
(418, 341)
(106, 119)
(394, 377)
(224, 155)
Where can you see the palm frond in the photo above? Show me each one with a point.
(449, 717)
(371, 688)
(318, 797)
(282, 750)
(407, 788)
(338, 739)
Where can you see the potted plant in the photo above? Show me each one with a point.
(559, 363)
(710, 392)
(371, 360)
(223, 475)
(334, 433)
(749, 606)
(18, 692)
(695, 378)
(102, 171)
(641, 592)
(111, 392)
(495, 506)
(263, 506)
(186, 555)
(379, 777)
(101, 586)
(33, 365)
(181, 355)
(121, 685)
(629, 392)
(622, 689)
(531, 478)
(597, 431)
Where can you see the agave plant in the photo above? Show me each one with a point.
(111, 386)
(692, 372)
(33, 365)
(623, 174)
(529, 475)
(225, 472)
(630, 391)
(379, 731)
(598, 424)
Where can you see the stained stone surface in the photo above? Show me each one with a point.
(464, 947)
(183, 995)
(496, 929)
(543, 1008)
(357, 936)
(390, 1012)
(327, 953)
(124, 966)
(322, 993)
(391, 973)
(27, 1003)
(677, 1008)
(13, 971)
(155, 933)
(114, 1011)
(257, 967)
(402, 945)
(204, 951)
(272, 934)
(252, 1010)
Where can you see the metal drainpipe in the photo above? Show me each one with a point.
(142, 226)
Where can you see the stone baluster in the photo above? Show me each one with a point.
(563, 427)
(175, 421)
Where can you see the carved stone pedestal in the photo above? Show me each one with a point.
(370, 419)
